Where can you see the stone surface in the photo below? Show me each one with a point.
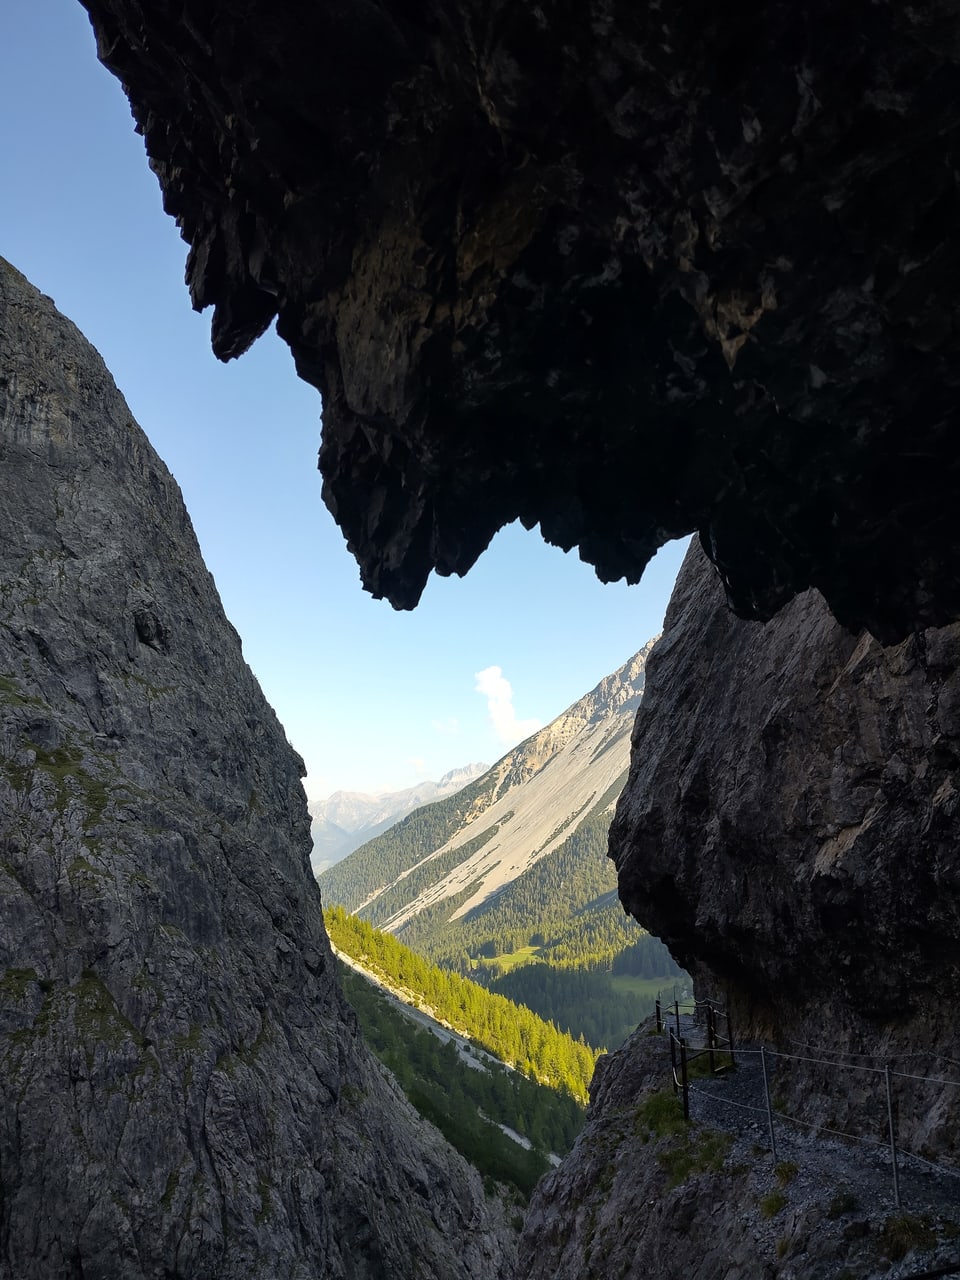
(789, 829)
(642, 1195)
(621, 270)
(609, 1210)
(184, 1092)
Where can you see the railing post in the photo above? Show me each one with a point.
(730, 1038)
(673, 1064)
(683, 1077)
(893, 1137)
(766, 1094)
(659, 1016)
(710, 1039)
(676, 1014)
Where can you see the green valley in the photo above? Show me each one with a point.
(469, 1103)
(511, 1032)
(557, 941)
(507, 883)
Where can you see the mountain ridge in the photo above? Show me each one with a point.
(500, 824)
(345, 820)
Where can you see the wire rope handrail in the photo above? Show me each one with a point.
(746, 1052)
(681, 1057)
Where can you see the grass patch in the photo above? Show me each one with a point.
(649, 988)
(152, 690)
(266, 1201)
(63, 766)
(904, 1232)
(512, 960)
(698, 1063)
(95, 1014)
(659, 1115)
(785, 1172)
(14, 983)
(772, 1203)
(26, 1037)
(690, 1151)
(170, 1190)
(247, 1056)
(190, 1040)
(18, 775)
(80, 867)
(12, 695)
(98, 1018)
(703, 1151)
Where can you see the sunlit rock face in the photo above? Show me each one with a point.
(183, 1092)
(789, 829)
(621, 270)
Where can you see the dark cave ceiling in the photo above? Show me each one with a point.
(623, 271)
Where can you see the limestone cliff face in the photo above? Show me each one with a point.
(622, 270)
(184, 1091)
(789, 829)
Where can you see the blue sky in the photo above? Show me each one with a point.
(373, 699)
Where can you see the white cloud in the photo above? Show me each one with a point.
(447, 727)
(495, 687)
(418, 763)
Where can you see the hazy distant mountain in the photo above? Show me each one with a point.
(467, 847)
(348, 819)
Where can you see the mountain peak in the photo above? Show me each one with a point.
(348, 819)
(468, 846)
(457, 778)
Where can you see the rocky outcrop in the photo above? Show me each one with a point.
(789, 830)
(614, 1208)
(184, 1091)
(621, 270)
(643, 1194)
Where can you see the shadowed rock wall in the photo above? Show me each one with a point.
(789, 829)
(621, 270)
(184, 1092)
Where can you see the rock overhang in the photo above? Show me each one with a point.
(619, 273)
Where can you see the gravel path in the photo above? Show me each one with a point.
(736, 1103)
(828, 1169)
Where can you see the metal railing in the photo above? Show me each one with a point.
(718, 1051)
(717, 1048)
